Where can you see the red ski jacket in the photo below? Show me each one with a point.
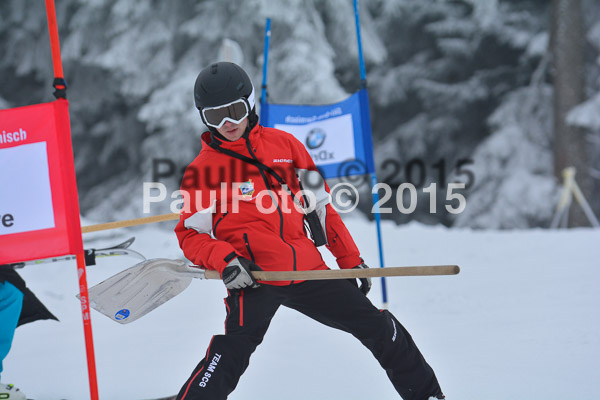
(234, 208)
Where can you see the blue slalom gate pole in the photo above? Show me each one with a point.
(264, 113)
(368, 142)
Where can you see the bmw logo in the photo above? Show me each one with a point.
(315, 138)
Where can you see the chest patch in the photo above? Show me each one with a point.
(247, 189)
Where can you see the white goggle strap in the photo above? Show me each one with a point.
(251, 103)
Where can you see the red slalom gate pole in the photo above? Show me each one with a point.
(60, 93)
(87, 325)
(54, 43)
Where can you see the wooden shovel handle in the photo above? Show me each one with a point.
(129, 222)
(427, 270)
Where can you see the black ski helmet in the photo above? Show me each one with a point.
(221, 83)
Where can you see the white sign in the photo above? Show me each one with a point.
(328, 141)
(25, 195)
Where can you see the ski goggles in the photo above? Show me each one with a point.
(234, 112)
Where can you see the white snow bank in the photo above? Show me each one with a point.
(519, 322)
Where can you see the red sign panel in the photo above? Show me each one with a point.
(39, 207)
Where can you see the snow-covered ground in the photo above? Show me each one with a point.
(521, 321)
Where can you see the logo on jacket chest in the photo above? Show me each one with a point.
(283, 160)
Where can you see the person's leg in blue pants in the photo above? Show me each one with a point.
(11, 301)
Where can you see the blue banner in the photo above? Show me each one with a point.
(333, 134)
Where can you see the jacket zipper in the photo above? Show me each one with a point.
(248, 247)
(218, 222)
(249, 147)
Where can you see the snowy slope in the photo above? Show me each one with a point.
(521, 321)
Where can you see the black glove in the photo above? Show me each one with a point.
(365, 283)
(237, 275)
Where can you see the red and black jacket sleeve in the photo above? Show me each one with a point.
(194, 230)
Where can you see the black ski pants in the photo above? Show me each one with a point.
(335, 303)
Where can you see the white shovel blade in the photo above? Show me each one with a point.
(136, 291)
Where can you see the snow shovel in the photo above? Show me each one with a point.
(136, 291)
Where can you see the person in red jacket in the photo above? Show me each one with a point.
(244, 209)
